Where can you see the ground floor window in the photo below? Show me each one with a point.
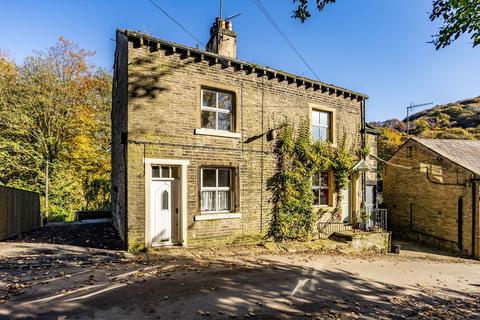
(216, 190)
(321, 188)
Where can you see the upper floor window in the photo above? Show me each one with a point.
(217, 110)
(321, 188)
(321, 125)
(216, 190)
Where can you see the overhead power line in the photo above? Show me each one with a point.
(177, 23)
(199, 42)
(284, 36)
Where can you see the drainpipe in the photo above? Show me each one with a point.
(474, 213)
(364, 143)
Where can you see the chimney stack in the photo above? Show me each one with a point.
(223, 40)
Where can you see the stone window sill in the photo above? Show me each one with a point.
(217, 216)
(218, 133)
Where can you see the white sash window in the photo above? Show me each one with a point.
(217, 110)
(321, 125)
(216, 190)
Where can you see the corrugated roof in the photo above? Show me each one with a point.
(465, 153)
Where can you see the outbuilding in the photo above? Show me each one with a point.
(431, 193)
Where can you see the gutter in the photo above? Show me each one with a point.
(154, 44)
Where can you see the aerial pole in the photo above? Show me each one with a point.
(411, 107)
(221, 4)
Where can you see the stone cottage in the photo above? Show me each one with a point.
(431, 193)
(192, 138)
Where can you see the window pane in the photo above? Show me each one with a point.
(208, 201)
(208, 119)
(209, 178)
(315, 117)
(209, 99)
(324, 118)
(223, 200)
(316, 133)
(224, 121)
(225, 101)
(323, 134)
(316, 199)
(165, 200)
(165, 172)
(316, 180)
(175, 173)
(155, 172)
(224, 178)
(324, 176)
(324, 193)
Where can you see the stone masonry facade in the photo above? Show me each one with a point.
(429, 199)
(159, 117)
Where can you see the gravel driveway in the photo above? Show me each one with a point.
(51, 281)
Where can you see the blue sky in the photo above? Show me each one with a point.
(377, 47)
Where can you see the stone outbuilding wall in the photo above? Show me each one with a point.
(429, 199)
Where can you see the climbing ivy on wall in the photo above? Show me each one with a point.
(298, 157)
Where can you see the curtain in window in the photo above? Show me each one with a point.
(223, 200)
(208, 201)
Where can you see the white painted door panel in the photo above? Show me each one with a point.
(161, 212)
(346, 206)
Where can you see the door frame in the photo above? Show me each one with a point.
(348, 195)
(182, 196)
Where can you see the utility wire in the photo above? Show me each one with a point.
(177, 23)
(284, 36)
(199, 42)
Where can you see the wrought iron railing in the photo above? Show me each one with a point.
(370, 219)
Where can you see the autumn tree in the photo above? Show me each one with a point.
(54, 116)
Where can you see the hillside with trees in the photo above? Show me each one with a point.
(457, 120)
(55, 129)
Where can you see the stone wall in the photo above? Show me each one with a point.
(119, 127)
(421, 193)
(164, 111)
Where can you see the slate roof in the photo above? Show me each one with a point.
(465, 153)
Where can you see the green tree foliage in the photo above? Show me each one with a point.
(54, 109)
(387, 144)
(298, 158)
(458, 17)
(457, 120)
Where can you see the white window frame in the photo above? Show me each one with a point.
(217, 110)
(216, 189)
(321, 187)
(170, 173)
(320, 125)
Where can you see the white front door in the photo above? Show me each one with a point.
(161, 212)
(346, 208)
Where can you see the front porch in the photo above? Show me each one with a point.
(368, 220)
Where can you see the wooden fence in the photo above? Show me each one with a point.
(19, 211)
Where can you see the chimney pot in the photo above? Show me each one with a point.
(223, 40)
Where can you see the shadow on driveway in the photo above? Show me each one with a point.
(90, 235)
(252, 288)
